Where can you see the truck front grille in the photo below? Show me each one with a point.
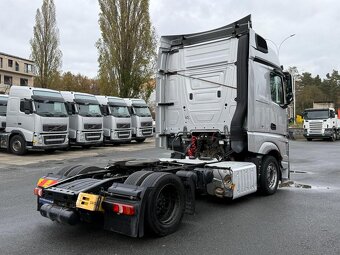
(315, 127)
(146, 124)
(123, 125)
(54, 128)
(123, 134)
(147, 131)
(93, 136)
(54, 139)
(92, 126)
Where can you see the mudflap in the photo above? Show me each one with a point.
(130, 225)
(189, 180)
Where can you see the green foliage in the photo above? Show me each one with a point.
(311, 89)
(45, 50)
(126, 47)
(75, 82)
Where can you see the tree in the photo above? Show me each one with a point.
(80, 83)
(126, 47)
(45, 50)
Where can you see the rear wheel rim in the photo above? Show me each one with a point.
(167, 204)
(271, 175)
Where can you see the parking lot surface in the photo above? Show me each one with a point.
(301, 218)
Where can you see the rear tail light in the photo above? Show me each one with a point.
(38, 191)
(123, 209)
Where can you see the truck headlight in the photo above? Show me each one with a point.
(81, 136)
(38, 140)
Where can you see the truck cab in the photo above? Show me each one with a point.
(3, 111)
(141, 119)
(223, 94)
(86, 120)
(116, 119)
(35, 119)
(320, 123)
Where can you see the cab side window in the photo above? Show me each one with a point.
(276, 88)
(22, 105)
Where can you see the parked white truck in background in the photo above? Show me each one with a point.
(321, 123)
(117, 119)
(36, 119)
(86, 120)
(141, 119)
(3, 111)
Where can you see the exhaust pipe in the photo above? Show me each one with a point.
(59, 214)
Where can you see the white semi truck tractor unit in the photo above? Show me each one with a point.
(221, 109)
(141, 119)
(35, 119)
(321, 123)
(222, 94)
(86, 120)
(117, 119)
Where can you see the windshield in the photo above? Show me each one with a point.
(50, 109)
(322, 114)
(142, 111)
(89, 110)
(119, 111)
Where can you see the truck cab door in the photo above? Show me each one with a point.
(277, 123)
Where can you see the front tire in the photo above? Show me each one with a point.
(140, 140)
(166, 203)
(269, 179)
(309, 139)
(18, 145)
(333, 138)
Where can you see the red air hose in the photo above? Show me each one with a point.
(193, 147)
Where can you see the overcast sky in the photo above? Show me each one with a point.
(315, 48)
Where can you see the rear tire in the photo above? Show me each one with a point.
(137, 177)
(166, 203)
(18, 145)
(81, 170)
(269, 179)
(66, 169)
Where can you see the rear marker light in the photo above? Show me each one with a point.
(38, 192)
(123, 209)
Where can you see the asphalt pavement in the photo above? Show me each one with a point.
(301, 218)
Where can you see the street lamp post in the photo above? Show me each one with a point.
(278, 48)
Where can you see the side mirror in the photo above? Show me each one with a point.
(104, 110)
(289, 88)
(332, 114)
(28, 108)
(68, 106)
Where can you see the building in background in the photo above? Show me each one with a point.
(15, 71)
